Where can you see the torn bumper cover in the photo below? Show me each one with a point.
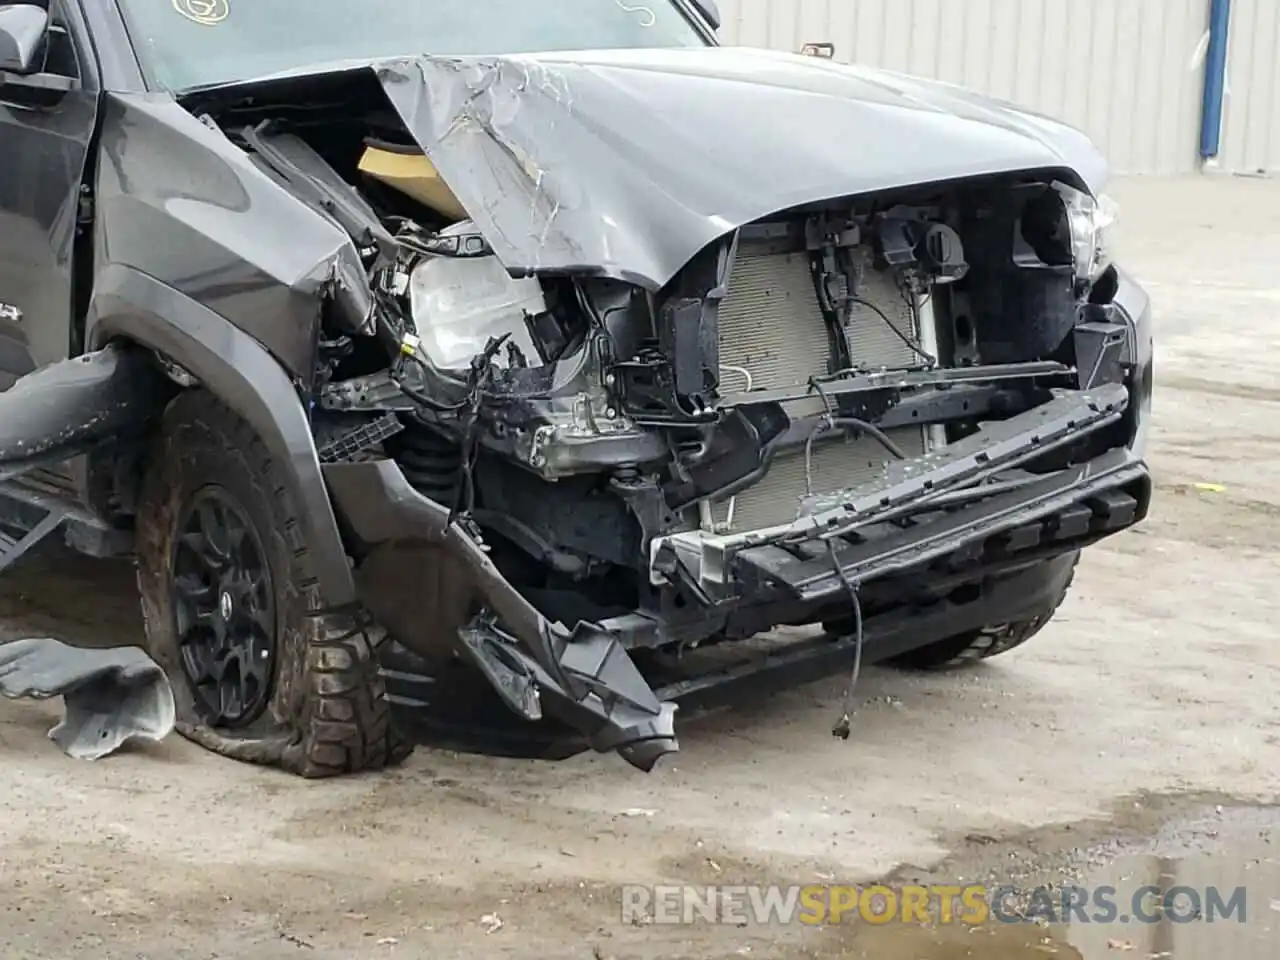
(968, 507)
(587, 671)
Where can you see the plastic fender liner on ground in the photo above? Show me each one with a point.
(111, 696)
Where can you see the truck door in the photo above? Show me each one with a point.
(44, 145)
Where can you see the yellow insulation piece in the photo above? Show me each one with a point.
(414, 176)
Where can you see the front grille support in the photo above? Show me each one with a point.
(774, 335)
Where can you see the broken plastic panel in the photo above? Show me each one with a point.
(111, 696)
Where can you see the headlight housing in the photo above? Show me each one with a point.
(1092, 223)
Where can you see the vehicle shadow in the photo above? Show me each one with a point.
(56, 592)
(93, 603)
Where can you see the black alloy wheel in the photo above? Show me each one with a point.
(224, 607)
(262, 670)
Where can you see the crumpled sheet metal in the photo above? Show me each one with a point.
(627, 163)
(111, 696)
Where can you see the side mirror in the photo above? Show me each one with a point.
(23, 28)
(709, 11)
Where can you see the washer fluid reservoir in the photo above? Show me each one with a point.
(459, 303)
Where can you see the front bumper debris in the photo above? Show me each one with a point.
(586, 672)
(913, 487)
(962, 513)
(1066, 510)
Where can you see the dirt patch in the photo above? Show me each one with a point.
(1220, 388)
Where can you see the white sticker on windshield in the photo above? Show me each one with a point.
(204, 12)
(647, 17)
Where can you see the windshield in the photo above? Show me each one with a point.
(190, 43)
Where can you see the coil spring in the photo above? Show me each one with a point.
(430, 462)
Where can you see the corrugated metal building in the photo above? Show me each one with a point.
(1251, 132)
(1129, 72)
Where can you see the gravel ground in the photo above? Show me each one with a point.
(1146, 710)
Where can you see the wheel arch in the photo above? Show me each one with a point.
(242, 374)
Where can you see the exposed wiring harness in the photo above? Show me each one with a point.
(844, 725)
(470, 391)
(831, 421)
(915, 348)
(464, 500)
(910, 292)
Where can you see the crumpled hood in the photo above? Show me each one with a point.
(627, 163)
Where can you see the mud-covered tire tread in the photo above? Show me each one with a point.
(966, 650)
(329, 714)
(347, 719)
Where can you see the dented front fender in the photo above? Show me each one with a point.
(177, 201)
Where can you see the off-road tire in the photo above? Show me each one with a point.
(968, 649)
(328, 713)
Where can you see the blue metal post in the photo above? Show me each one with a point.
(1215, 78)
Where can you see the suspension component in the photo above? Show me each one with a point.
(432, 463)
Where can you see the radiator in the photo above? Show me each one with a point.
(773, 335)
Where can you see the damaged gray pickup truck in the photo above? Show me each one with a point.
(545, 346)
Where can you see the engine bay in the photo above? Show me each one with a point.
(570, 420)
